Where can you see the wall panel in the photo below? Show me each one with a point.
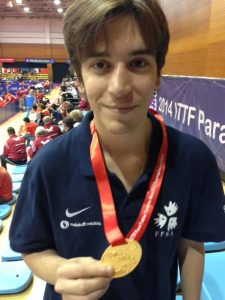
(22, 51)
(216, 51)
(197, 46)
(58, 52)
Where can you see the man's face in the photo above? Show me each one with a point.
(119, 77)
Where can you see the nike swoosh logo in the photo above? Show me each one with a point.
(70, 215)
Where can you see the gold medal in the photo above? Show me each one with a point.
(123, 258)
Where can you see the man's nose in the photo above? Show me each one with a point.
(120, 81)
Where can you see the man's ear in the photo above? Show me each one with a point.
(81, 88)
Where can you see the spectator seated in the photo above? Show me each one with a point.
(67, 123)
(55, 114)
(6, 194)
(77, 116)
(40, 140)
(30, 128)
(52, 130)
(14, 151)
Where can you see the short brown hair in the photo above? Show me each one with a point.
(85, 18)
(76, 115)
(11, 131)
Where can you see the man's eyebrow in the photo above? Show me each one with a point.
(141, 52)
(132, 53)
(97, 54)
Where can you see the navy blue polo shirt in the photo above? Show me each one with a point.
(58, 208)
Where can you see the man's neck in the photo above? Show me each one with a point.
(126, 155)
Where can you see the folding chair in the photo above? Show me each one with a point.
(5, 211)
(13, 200)
(178, 280)
(15, 277)
(19, 169)
(16, 187)
(1, 225)
(214, 276)
(7, 254)
(210, 247)
(17, 177)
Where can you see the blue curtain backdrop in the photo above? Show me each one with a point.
(195, 106)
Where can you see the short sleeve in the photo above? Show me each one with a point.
(30, 228)
(205, 219)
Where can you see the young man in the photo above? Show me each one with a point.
(122, 195)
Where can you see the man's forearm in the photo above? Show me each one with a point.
(191, 261)
(44, 264)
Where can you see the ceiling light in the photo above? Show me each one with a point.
(26, 9)
(57, 2)
(19, 1)
(60, 10)
(9, 4)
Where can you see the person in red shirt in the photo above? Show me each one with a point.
(29, 130)
(47, 86)
(14, 151)
(83, 104)
(2, 102)
(52, 131)
(39, 96)
(42, 112)
(10, 98)
(5, 186)
(21, 93)
(63, 106)
(30, 127)
(40, 140)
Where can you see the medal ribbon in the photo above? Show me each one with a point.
(112, 230)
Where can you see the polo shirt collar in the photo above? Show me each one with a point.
(84, 137)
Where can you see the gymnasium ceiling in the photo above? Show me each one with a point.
(38, 8)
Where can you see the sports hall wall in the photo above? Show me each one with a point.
(197, 37)
(32, 38)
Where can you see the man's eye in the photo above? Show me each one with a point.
(139, 63)
(101, 65)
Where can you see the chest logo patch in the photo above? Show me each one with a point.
(65, 224)
(72, 214)
(167, 221)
